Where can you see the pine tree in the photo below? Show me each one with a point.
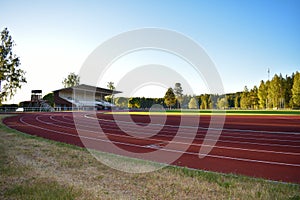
(274, 91)
(282, 91)
(262, 95)
(296, 90)
(222, 103)
(288, 85)
(178, 93)
(268, 100)
(170, 98)
(254, 98)
(245, 99)
(237, 100)
(193, 103)
(204, 101)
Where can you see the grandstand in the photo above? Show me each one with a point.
(82, 97)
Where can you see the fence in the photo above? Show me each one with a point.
(25, 109)
(44, 109)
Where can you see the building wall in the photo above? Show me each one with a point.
(59, 102)
(81, 95)
(60, 96)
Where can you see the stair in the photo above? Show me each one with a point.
(44, 106)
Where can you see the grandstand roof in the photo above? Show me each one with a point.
(89, 88)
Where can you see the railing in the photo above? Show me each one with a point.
(25, 109)
(44, 109)
(8, 109)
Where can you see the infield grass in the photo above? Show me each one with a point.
(36, 168)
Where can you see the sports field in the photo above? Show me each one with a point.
(257, 145)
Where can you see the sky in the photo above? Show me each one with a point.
(242, 38)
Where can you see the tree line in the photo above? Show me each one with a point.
(278, 93)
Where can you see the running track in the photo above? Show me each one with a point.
(258, 146)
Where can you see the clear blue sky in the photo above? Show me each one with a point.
(243, 38)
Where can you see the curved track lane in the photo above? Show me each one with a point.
(259, 146)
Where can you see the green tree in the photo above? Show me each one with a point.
(274, 92)
(222, 103)
(288, 85)
(49, 98)
(134, 102)
(268, 100)
(71, 80)
(111, 85)
(121, 102)
(170, 98)
(282, 92)
(262, 95)
(237, 100)
(147, 102)
(254, 98)
(296, 90)
(185, 101)
(160, 101)
(11, 77)
(178, 93)
(193, 103)
(245, 99)
(230, 100)
(210, 102)
(204, 101)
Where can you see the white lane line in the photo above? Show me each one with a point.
(134, 130)
(197, 139)
(290, 119)
(68, 118)
(138, 131)
(262, 135)
(176, 142)
(176, 126)
(163, 149)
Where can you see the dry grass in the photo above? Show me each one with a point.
(34, 168)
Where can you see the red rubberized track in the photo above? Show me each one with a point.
(258, 146)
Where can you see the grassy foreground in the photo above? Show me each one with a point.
(35, 168)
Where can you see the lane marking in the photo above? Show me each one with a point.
(197, 139)
(169, 150)
(228, 129)
(176, 142)
(133, 130)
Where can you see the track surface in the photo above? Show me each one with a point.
(258, 146)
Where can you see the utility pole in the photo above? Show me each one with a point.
(268, 74)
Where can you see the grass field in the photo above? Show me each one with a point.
(36, 168)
